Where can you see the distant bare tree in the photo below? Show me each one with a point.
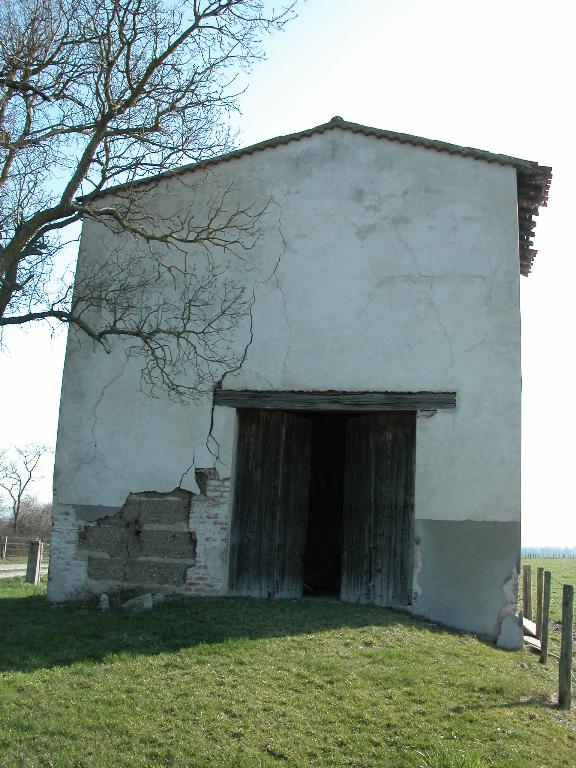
(18, 470)
(96, 93)
(34, 520)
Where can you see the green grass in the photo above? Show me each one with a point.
(14, 560)
(11, 560)
(19, 561)
(239, 683)
(563, 572)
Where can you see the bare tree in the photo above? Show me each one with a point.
(34, 520)
(17, 472)
(100, 93)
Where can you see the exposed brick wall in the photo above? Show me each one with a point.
(209, 521)
(67, 571)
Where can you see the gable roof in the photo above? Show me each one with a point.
(533, 180)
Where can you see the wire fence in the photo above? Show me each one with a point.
(15, 550)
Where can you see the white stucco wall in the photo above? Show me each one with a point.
(382, 266)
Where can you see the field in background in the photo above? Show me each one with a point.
(238, 683)
(563, 571)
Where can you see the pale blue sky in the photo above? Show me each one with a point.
(495, 75)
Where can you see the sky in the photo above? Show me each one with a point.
(493, 75)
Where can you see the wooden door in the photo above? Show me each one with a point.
(270, 512)
(378, 523)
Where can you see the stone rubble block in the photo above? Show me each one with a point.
(159, 597)
(172, 510)
(140, 603)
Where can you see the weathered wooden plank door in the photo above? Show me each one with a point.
(270, 512)
(378, 523)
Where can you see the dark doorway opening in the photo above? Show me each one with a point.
(323, 551)
(324, 505)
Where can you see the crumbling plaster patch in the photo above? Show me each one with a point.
(513, 633)
(172, 542)
(416, 588)
(154, 454)
(510, 605)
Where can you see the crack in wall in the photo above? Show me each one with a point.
(97, 455)
(442, 326)
(407, 247)
(259, 375)
(220, 383)
(468, 351)
(186, 471)
(274, 274)
(99, 401)
(429, 281)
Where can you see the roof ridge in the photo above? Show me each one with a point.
(336, 122)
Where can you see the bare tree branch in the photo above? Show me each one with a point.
(17, 471)
(94, 93)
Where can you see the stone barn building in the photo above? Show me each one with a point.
(367, 444)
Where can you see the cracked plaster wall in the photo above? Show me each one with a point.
(381, 267)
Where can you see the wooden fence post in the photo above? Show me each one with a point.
(545, 617)
(565, 670)
(34, 560)
(3, 546)
(539, 590)
(527, 592)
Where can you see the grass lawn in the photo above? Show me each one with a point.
(238, 682)
(563, 571)
(14, 560)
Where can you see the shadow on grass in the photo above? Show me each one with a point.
(533, 701)
(37, 634)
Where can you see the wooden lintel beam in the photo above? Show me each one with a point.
(336, 401)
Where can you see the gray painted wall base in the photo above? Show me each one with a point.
(464, 572)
